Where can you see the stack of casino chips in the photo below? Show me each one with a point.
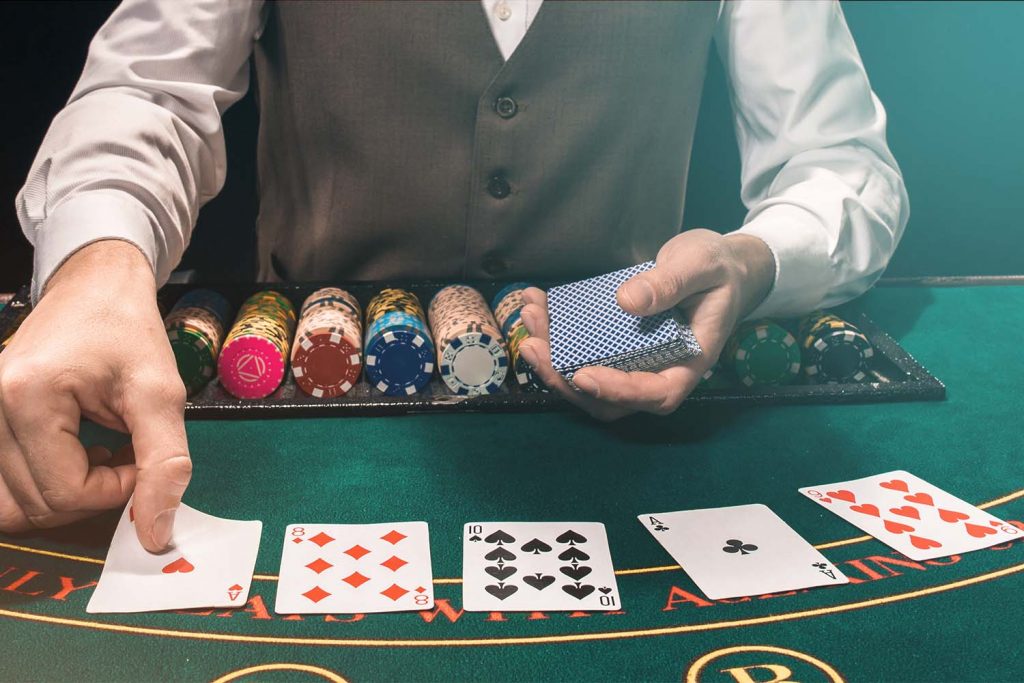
(834, 350)
(508, 305)
(399, 350)
(327, 350)
(763, 352)
(255, 354)
(471, 354)
(21, 312)
(195, 329)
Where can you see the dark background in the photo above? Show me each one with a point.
(949, 74)
(43, 47)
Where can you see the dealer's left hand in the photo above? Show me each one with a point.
(716, 280)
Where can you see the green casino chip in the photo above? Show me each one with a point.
(764, 353)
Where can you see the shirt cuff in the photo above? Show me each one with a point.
(800, 246)
(86, 218)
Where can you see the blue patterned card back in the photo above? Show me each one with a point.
(587, 326)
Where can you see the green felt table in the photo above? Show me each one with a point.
(956, 618)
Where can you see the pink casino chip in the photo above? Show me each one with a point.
(250, 367)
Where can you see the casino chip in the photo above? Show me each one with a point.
(763, 352)
(834, 350)
(471, 354)
(507, 305)
(195, 329)
(327, 350)
(399, 351)
(715, 377)
(14, 323)
(255, 354)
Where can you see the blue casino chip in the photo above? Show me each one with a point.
(399, 360)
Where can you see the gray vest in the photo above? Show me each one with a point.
(395, 142)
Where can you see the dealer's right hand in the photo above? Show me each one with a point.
(93, 347)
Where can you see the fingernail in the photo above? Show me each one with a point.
(163, 525)
(586, 384)
(527, 352)
(639, 295)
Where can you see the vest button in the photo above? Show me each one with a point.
(494, 266)
(506, 107)
(498, 187)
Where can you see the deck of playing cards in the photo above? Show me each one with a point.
(588, 327)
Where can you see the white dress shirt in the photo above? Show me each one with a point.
(139, 147)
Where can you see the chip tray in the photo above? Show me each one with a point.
(896, 376)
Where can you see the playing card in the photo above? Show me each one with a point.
(209, 564)
(355, 568)
(537, 566)
(588, 327)
(732, 552)
(912, 516)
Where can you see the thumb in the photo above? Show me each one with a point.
(654, 291)
(155, 418)
(638, 295)
(684, 267)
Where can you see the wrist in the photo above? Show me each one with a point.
(109, 265)
(756, 264)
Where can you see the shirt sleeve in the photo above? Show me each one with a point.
(139, 147)
(822, 188)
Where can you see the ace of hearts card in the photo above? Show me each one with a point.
(209, 564)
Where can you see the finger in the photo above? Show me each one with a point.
(125, 455)
(537, 354)
(535, 295)
(12, 517)
(98, 455)
(155, 418)
(18, 480)
(48, 437)
(16, 516)
(652, 392)
(535, 315)
(22, 506)
(712, 319)
(684, 267)
(14, 520)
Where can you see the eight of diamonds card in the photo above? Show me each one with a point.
(350, 568)
(537, 566)
(209, 564)
(912, 516)
(732, 552)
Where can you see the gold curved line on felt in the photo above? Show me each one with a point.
(50, 553)
(260, 668)
(520, 640)
(693, 672)
(619, 572)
